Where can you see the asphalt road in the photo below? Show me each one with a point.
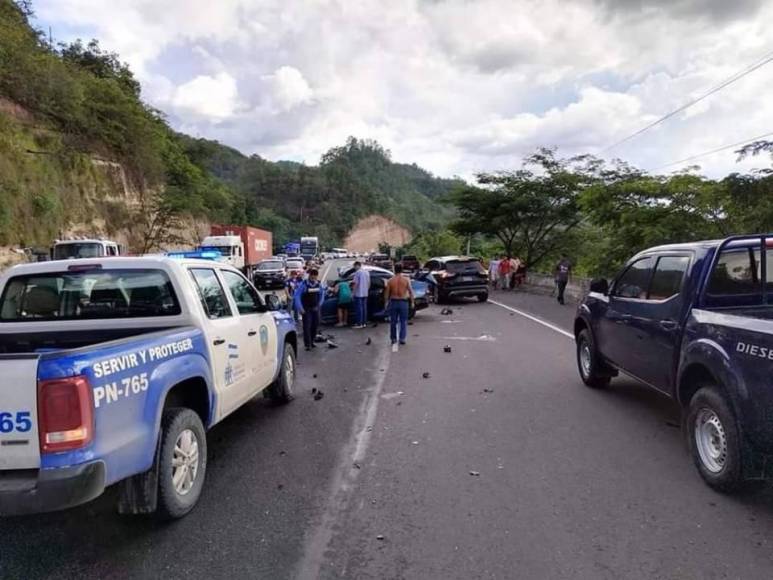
(392, 475)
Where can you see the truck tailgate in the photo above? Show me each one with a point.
(19, 445)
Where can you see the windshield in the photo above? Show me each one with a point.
(295, 263)
(465, 267)
(224, 250)
(87, 295)
(270, 266)
(85, 250)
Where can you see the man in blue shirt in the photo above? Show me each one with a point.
(361, 288)
(307, 300)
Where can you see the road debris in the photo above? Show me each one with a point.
(319, 338)
(446, 312)
(425, 375)
(379, 537)
(475, 473)
(447, 348)
(414, 442)
(314, 376)
(331, 344)
(369, 341)
(487, 390)
(283, 452)
(317, 394)
(356, 465)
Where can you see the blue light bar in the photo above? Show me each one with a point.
(196, 255)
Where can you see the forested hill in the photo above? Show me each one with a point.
(352, 181)
(78, 146)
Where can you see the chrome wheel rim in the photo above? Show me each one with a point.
(185, 462)
(585, 359)
(711, 440)
(289, 373)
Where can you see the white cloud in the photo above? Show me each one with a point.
(289, 89)
(209, 97)
(455, 85)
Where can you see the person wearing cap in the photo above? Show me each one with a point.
(308, 301)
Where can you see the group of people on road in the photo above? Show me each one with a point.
(308, 294)
(507, 272)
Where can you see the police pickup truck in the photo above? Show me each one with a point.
(694, 321)
(112, 370)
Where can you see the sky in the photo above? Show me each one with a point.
(456, 86)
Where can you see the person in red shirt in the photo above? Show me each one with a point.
(505, 270)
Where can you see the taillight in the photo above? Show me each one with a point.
(65, 414)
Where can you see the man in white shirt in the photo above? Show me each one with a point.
(493, 271)
(360, 290)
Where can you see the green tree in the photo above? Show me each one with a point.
(529, 210)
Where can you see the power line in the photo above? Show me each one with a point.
(717, 150)
(728, 81)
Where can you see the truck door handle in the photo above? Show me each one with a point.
(252, 333)
(668, 324)
(218, 341)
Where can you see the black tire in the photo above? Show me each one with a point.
(723, 472)
(281, 390)
(483, 297)
(591, 373)
(172, 504)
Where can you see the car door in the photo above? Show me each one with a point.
(259, 330)
(227, 340)
(617, 337)
(659, 322)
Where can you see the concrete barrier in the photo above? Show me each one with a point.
(545, 284)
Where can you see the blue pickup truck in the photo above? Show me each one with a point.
(694, 321)
(113, 369)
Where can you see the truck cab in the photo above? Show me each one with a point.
(87, 248)
(231, 249)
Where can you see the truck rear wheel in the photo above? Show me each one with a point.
(715, 440)
(588, 362)
(281, 390)
(182, 463)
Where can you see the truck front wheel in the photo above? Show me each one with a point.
(182, 463)
(588, 362)
(715, 440)
(281, 390)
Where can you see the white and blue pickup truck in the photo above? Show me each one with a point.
(112, 370)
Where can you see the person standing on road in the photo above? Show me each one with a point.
(493, 272)
(398, 300)
(361, 289)
(515, 263)
(504, 272)
(344, 293)
(308, 301)
(563, 271)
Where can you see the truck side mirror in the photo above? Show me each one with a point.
(273, 304)
(600, 286)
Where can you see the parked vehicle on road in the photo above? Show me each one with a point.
(270, 275)
(376, 311)
(114, 370)
(84, 248)
(694, 321)
(240, 246)
(458, 277)
(410, 263)
(381, 261)
(294, 266)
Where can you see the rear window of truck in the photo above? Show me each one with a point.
(89, 294)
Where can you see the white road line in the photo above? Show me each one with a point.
(349, 467)
(534, 318)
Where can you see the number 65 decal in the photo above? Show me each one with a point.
(22, 422)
